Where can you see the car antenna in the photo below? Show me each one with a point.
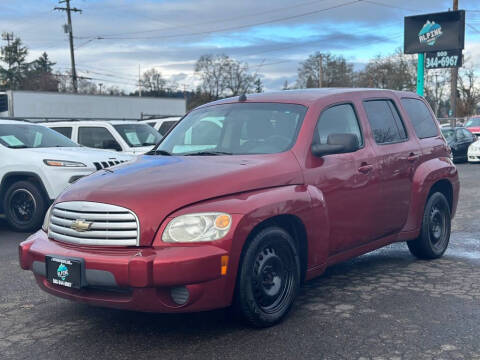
(242, 97)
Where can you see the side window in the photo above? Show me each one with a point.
(460, 135)
(387, 127)
(97, 137)
(422, 120)
(166, 125)
(152, 124)
(65, 131)
(339, 119)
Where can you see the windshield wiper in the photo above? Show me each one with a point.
(208, 153)
(158, 152)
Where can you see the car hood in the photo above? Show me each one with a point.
(155, 186)
(139, 150)
(81, 154)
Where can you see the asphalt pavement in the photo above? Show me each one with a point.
(382, 305)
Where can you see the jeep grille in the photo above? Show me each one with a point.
(104, 164)
(90, 223)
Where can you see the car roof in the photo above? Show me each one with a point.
(170, 118)
(91, 122)
(306, 96)
(17, 122)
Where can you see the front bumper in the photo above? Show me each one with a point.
(473, 155)
(139, 279)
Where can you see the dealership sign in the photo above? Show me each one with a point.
(434, 32)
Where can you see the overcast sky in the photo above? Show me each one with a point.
(114, 37)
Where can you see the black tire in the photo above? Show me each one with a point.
(24, 206)
(435, 233)
(273, 256)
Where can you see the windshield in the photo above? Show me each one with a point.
(240, 128)
(449, 134)
(21, 136)
(473, 122)
(137, 135)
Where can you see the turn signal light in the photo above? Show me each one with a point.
(224, 265)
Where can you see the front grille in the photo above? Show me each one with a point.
(91, 223)
(103, 164)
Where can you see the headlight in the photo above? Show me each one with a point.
(63, 163)
(46, 221)
(197, 227)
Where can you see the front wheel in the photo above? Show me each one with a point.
(435, 234)
(24, 206)
(268, 278)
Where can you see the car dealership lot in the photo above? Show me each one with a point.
(385, 304)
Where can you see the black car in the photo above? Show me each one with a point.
(459, 139)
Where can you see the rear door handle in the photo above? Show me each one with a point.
(365, 169)
(412, 157)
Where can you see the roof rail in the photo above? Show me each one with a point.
(38, 119)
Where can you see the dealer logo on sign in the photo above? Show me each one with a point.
(429, 33)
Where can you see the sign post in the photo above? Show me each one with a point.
(420, 73)
(436, 32)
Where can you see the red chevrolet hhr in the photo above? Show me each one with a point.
(247, 197)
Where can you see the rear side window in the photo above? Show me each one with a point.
(166, 125)
(422, 120)
(387, 127)
(65, 131)
(338, 119)
(97, 137)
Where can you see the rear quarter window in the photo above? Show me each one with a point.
(421, 118)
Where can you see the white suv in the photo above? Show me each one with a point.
(36, 165)
(131, 137)
(162, 125)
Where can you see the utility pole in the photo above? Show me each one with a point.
(320, 71)
(139, 82)
(69, 29)
(453, 81)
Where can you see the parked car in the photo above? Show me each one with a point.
(130, 137)
(474, 152)
(37, 164)
(294, 182)
(473, 124)
(162, 125)
(459, 140)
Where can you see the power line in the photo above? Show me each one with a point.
(235, 27)
(215, 21)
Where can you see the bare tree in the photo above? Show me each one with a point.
(397, 72)
(223, 76)
(436, 88)
(325, 70)
(153, 82)
(468, 92)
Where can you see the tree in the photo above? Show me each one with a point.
(223, 76)
(13, 55)
(325, 70)
(468, 92)
(258, 85)
(397, 72)
(39, 75)
(436, 89)
(153, 83)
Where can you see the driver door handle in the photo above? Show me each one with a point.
(365, 168)
(412, 157)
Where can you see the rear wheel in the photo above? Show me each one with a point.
(24, 206)
(435, 234)
(268, 279)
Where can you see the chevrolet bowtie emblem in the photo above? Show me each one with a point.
(81, 225)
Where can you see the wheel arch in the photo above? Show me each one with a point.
(294, 226)
(12, 177)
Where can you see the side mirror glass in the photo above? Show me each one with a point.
(336, 144)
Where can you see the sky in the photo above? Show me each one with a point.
(114, 39)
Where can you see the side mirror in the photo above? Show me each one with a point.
(336, 144)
